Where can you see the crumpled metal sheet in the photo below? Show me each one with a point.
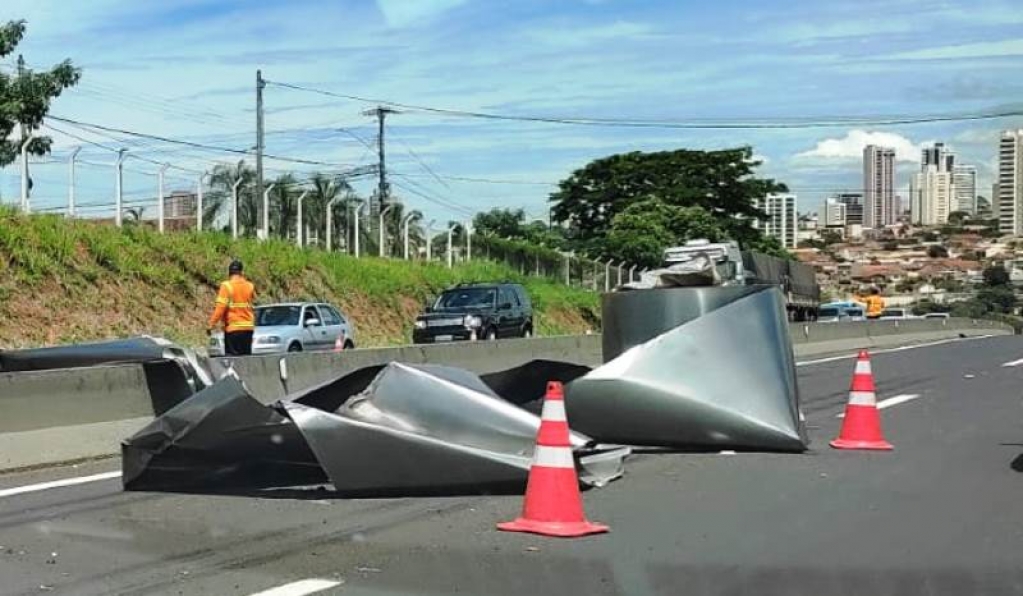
(526, 385)
(220, 438)
(699, 271)
(723, 380)
(173, 373)
(406, 430)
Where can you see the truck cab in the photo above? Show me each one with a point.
(726, 256)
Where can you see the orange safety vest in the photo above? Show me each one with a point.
(234, 305)
(875, 305)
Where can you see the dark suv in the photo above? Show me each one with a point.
(491, 311)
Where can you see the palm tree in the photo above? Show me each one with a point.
(324, 189)
(284, 205)
(218, 198)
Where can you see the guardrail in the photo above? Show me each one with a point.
(61, 415)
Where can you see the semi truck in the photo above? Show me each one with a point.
(797, 281)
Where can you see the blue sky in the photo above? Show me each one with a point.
(185, 69)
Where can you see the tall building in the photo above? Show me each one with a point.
(834, 213)
(965, 180)
(853, 202)
(781, 222)
(938, 156)
(1009, 200)
(878, 186)
(932, 196)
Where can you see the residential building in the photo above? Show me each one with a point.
(834, 213)
(781, 222)
(965, 180)
(179, 204)
(1009, 200)
(939, 157)
(879, 187)
(853, 202)
(931, 196)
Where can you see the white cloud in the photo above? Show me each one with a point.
(984, 49)
(851, 146)
(401, 13)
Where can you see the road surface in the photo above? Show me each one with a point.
(940, 515)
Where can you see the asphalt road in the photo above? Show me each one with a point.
(939, 515)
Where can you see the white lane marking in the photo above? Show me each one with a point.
(891, 401)
(300, 588)
(889, 350)
(1014, 362)
(31, 488)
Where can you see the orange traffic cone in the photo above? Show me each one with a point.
(553, 505)
(861, 428)
(339, 345)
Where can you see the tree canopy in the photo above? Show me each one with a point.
(630, 206)
(25, 97)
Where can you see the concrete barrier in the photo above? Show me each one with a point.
(60, 415)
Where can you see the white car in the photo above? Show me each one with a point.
(896, 314)
(294, 327)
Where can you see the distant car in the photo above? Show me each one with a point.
(490, 311)
(936, 315)
(294, 327)
(895, 314)
(837, 313)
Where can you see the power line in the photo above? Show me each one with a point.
(436, 200)
(669, 124)
(185, 143)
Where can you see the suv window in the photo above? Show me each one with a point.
(330, 316)
(467, 298)
(509, 297)
(522, 296)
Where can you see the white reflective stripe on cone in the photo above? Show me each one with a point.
(553, 457)
(862, 398)
(554, 410)
(862, 367)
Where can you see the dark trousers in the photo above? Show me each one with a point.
(238, 343)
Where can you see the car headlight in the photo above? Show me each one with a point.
(420, 324)
(268, 339)
(473, 321)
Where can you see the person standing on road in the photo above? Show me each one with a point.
(234, 309)
(875, 304)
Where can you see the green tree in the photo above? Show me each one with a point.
(25, 97)
(937, 251)
(958, 218)
(722, 183)
(218, 200)
(995, 276)
(997, 298)
(503, 223)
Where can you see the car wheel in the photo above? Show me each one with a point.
(528, 333)
(295, 347)
(491, 334)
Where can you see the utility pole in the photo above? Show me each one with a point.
(260, 85)
(266, 212)
(301, 221)
(383, 191)
(199, 201)
(119, 188)
(234, 207)
(24, 172)
(383, 235)
(160, 206)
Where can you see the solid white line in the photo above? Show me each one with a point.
(1014, 362)
(891, 401)
(31, 488)
(889, 350)
(300, 588)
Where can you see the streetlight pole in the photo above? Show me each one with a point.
(405, 221)
(159, 196)
(468, 240)
(607, 275)
(24, 173)
(119, 192)
(358, 217)
(266, 211)
(451, 255)
(429, 240)
(234, 207)
(330, 222)
(199, 201)
(71, 181)
(383, 212)
(300, 225)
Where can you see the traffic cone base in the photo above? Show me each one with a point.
(555, 529)
(870, 445)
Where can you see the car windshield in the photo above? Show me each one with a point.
(854, 312)
(828, 312)
(273, 316)
(467, 298)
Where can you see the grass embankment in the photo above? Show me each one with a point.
(66, 281)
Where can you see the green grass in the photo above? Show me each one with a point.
(104, 282)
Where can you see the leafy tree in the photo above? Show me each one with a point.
(929, 236)
(926, 306)
(970, 309)
(997, 298)
(995, 276)
(958, 218)
(503, 223)
(937, 251)
(25, 97)
(218, 199)
(722, 183)
(890, 245)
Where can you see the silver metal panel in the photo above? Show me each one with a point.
(723, 380)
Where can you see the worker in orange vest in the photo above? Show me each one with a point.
(874, 302)
(234, 309)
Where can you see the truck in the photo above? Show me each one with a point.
(797, 281)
